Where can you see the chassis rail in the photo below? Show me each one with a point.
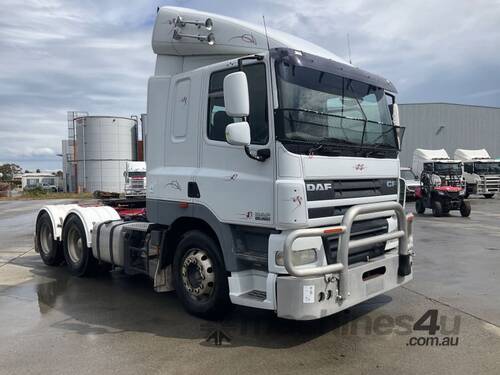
(403, 233)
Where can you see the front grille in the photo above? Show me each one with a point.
(318, 212)
(318, 190)
(359, 230)
(137, 184)
(491, 183)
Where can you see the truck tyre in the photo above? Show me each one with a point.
(200, 277)
(437, 209)
(50, 249)
(465, 209)
(79, 258)
(488, 196)
(419, 206)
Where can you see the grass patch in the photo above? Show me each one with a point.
(39, 195)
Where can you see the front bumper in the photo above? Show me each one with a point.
(135, 192)
(316, 297)
(314, 292)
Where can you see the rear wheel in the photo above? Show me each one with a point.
(50, 249)
(79, 258)
(465, 209)
(437, 208)
(419, 206)
(200, 276)
(488, 196)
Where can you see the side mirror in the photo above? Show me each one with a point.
(238, 134)
(236, 98)
(402, 192)
(394, 110)
(395, 113)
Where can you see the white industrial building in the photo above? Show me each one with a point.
(449, 126)
(47, 181)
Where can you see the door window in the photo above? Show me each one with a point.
(258, 117)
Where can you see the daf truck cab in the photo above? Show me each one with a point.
(481, 172)
(135, 179)
(273, 178)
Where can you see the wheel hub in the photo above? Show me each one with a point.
(75, 246)
(197, 274)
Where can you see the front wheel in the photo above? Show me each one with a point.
(437, 208)
(419, 206)
(488, 196)
(200, 276)
(465, 209)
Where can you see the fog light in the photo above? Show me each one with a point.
(299, 257)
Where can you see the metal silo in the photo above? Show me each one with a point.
(103, 146)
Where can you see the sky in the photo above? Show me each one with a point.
(95, 55)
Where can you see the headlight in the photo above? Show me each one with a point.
(299, 257)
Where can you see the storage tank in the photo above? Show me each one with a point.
(104, 145)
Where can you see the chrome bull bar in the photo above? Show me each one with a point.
(403, 233)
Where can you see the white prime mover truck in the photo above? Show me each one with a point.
(272, 170)
(481, 172)
(135, 179)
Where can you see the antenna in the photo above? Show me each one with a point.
(270, 66)
(349, 48)
(265, 30)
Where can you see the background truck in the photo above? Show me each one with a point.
(481, 172)
(412, 181)
(442, 184)
(135, 179)
(273, 178)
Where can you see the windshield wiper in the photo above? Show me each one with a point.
(315, 148)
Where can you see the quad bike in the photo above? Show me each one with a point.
(441, 199)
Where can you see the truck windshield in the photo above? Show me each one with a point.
(448, 168)
(324, 109)
(408, 175)
(487, 168)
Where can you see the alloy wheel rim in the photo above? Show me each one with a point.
(198, 276)
(75, 246)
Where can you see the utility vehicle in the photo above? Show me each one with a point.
(442, 184)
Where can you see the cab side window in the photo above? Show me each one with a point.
(258, 117)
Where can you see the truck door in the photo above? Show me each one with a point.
(236, 188)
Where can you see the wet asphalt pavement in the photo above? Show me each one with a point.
(51, 323)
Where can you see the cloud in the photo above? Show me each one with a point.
(95, 56)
